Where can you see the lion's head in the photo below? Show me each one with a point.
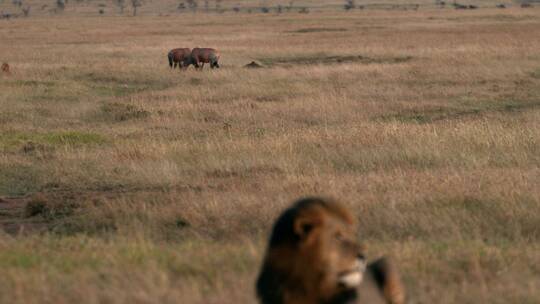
(313, 255)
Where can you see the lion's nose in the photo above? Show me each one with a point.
(361, 256)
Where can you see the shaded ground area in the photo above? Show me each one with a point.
(13, 219)
(330, 59)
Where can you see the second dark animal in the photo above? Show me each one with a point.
(200, 56)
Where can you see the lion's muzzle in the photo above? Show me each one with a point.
(353, 277)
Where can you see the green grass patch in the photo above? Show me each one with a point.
(469, 109)
(495, 18)
(15, 140)
(195, 259)
(370, 160)
(536, 74)
(121, 112)
(45, 90)
(16, 179)
(107, 85)
(34, 83)
(26, 260)
(458, 217)
(51, 253)
(73, 138)
(318, 30)
(323, 58)
(11, 116)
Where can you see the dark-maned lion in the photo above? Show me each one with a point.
(313, 257)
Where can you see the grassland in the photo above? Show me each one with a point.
(122, 181)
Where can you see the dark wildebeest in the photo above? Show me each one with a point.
(178, 56)
(203, 55)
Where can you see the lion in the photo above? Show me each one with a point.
(313, 257)
(5, 69)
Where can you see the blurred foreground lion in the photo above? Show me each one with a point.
(313, 257)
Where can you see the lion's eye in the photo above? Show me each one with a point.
(338, 236)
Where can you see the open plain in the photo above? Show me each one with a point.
(122, 181)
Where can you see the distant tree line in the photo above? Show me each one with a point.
(215, 6)
(207, 6)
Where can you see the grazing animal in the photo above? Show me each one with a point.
(5, 69)
(177, 57)
(313, 257)
(202, 56)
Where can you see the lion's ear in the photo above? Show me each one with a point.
(303, 226)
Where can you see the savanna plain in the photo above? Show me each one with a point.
(122, 181)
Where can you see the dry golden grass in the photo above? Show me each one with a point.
(156, 186)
